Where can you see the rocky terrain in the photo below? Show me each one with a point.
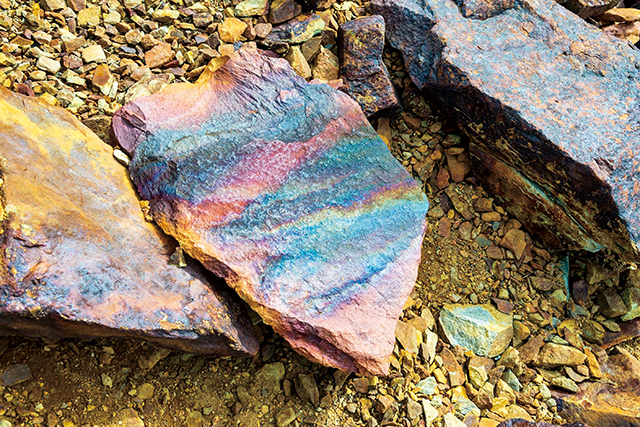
(498, 326)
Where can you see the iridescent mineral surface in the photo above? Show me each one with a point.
(284, 189)
(78, 259)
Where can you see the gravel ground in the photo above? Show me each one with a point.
(91, 60)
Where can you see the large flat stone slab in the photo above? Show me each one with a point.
(549, 102)
(78, 259)
(284, 189)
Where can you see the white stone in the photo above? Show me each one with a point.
(93, 53)
(46, 64)
(430, 413)
(428, 347)
(112, 17)
(477, 376)
(450, 420)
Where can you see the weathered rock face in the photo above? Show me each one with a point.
(78, 259)
(610, 402)
(364, 74)
(550, 104)
(283, 188)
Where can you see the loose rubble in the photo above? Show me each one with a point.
(553, 297)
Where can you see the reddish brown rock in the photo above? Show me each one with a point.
(452, 367)
(529, 352)
(612, 401)
(514, 240)
(628, 331)
(459, 166)
(611, 303)
(554, 355)
(587, 8)
(365, 76)
(549, 103)
(78, 258)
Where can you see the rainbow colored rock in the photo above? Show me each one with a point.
(284, 189)
(78, 259)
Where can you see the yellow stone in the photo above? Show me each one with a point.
(301, 67)
(592, 363)
(50, 99)
(620, 14)
(231, 30)
(226, 49)
(89, 17)
(487, 422)
(515, 411)
(499, 403)
(440, 377)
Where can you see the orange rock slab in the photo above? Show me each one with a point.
(78, 259)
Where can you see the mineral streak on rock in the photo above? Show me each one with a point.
(284, 189)
(547, 95)
(298, 30)
(77, 258)
(364, 74)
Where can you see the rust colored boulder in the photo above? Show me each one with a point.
(550, 104)
(612, 401)
(283, 188)
(77, 257)
(364, 74)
